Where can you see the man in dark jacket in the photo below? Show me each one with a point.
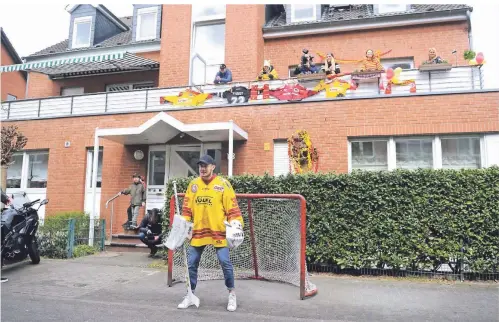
(224, 76)
(137, 193)
(150, 230)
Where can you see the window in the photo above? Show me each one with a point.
(208, 42)
(281, 158)
(370, 155)
(38, 169)
(462, 152)
(70, 91)
(147, 21)
(303, 12)
(82, 32)
(11, 97)
(394, 7)
(404, 63)
(14, 171)
(128, 86)
(90, 167)
(157, 168)
(29, 170)
(414, 153)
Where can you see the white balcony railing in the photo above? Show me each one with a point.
(458, 79)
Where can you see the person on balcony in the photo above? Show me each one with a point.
(371, 63)
(307, 65)
(330, 66)
(268, 72)
(433, 58)
(137, 193)
(224, 75)
(150, 230)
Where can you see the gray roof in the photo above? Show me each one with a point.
(127, 63)
(123, 38)
(357, 12)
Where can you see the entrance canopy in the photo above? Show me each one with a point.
(163, 127)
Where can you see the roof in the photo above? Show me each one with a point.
(128, 62)
(123, 38)
(11, 50)
(358, 12)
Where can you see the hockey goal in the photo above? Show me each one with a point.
(273, 248)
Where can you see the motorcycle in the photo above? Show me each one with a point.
(19, 225)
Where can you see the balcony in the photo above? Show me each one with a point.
(456, 80)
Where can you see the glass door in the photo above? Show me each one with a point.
(156, 177)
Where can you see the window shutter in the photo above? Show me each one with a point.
(281, 158)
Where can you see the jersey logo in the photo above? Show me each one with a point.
(204, 200)
(218, 188)
(194, 188)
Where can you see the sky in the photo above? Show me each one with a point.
(37, 26)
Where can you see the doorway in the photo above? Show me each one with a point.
(167, 162)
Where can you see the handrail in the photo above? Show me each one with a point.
(112, 214)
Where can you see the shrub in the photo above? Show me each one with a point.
(84, 250)
(401, 219)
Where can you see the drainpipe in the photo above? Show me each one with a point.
(470, 36)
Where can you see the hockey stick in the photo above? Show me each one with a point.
(192, 298)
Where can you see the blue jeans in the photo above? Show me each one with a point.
(223, 257)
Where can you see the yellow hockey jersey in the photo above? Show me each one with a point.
(208, 205)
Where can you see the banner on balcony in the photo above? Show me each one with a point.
(58, 62)
(186, 98)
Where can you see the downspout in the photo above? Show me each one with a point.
(470, 36)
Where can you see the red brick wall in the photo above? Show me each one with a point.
(244, 40)
(175, 45)
(329, 124)
(12, 82)
(404, 42)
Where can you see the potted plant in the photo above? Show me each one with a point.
(12, 140)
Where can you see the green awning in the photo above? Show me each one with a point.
(53, 63)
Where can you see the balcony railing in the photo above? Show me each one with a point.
(458, 79)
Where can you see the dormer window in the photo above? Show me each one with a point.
(147, 20)
(303, 12)
(81, 32)
(393, 7)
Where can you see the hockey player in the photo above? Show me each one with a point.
(209, 202)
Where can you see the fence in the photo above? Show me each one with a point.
(68, 238)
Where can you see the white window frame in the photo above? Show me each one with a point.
(368, 139)
(393, 7)
(203, 21)
(436, 148)
(76, 21)
(140, 12)
(25, 170)
(405, 60)
(88, 175)
(311, 18)
(288, 170)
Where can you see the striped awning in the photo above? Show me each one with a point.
(60, 62)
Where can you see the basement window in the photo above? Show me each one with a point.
(81, 32)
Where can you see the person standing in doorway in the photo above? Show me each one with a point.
(137, 194)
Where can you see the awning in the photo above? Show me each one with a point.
(163, 127)
(90, 65)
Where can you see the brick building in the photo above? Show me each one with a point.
(13, 84)
(115, 93)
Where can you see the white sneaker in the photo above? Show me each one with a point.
(232, 305)
(185, 303)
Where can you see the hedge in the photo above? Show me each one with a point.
(417, 219)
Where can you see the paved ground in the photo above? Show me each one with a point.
(120, 287)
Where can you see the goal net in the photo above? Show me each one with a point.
(273, 248)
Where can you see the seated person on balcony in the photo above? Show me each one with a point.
(137, 193)
(150, 230)
(307, 65)
(433, 58)
(268, 72)
(371, 63)
(331, 66)
(224, 76)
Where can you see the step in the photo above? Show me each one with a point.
(128, 246)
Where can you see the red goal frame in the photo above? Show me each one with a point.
(303, 239)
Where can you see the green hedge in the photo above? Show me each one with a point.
(401, 219)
